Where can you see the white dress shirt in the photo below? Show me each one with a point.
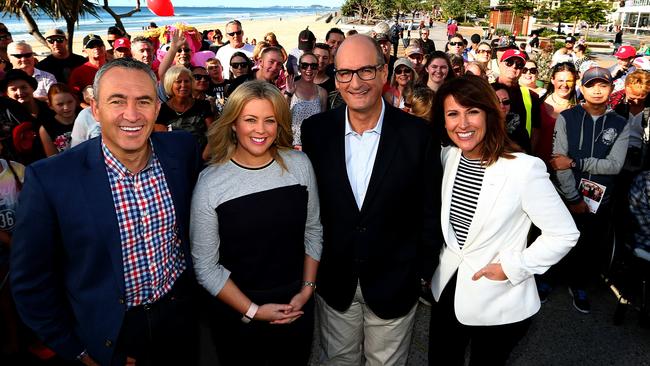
(360, 154)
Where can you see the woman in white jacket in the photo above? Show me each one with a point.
(491, 193)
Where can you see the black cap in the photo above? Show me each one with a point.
(92, 40)
(17, 74)
(306, 40)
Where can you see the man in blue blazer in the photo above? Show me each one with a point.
(101, 266)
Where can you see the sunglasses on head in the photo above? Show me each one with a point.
(455, 43)
(239, 65)
(53, 40)
(307, 65)
(232, 34)
(184, 49)
(23, 55)
(532, 70)
(200, 77)
(403, 70)
(518, 65)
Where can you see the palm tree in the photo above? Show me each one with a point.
(70, 10)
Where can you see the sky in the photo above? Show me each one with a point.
(240, 3)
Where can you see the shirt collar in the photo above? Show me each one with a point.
(115, 166)
(376, 129)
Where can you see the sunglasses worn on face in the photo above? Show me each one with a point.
(532, 70)
(239, 65)
(505, 102)
(199, 77)
(232, 34)
(23, 55)
(518, 65)
(403, 70)
(483, 51)
(54, 40)
(184, 49)
(306, 65)
(455, 43)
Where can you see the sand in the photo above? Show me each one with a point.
(285, 28)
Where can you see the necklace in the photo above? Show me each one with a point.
(558, 103)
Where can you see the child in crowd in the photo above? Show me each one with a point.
(56, 132)
(589, 147)
(85, 126)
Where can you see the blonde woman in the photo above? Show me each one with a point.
(401, 83)
(255, 232)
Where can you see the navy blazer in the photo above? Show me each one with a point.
(67, 272)
(392, 241)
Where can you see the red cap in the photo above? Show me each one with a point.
(625, 52)
(514, 53)
(122, 43)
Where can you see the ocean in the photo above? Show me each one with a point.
(189, 15)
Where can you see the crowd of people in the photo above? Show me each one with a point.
(176, 178)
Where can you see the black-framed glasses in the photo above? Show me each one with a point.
(53, 40)
(455, 43)
(308, 65)
(239, 65)
(505, 102)
(403, 70)
(365, 73)
(479, 51)
(518, 65)
(237, 33)
(532, 70)
(23, 55)
(201, 77)
(184, 49)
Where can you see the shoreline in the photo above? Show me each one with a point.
(285, 28)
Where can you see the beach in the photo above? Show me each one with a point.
(285, 28)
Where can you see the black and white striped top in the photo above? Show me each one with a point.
(464, 197)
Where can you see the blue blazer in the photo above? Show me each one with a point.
(67, 274)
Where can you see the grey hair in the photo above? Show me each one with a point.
(141, 39)
(125, 63)
(13, 45)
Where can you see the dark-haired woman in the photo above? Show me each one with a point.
(437, 70)
(491, 193)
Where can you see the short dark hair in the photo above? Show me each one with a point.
(323, 46)
(125, 63)
(333, 30)
(114, 30)
(474, 91)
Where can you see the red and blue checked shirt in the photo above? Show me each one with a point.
(151, 249)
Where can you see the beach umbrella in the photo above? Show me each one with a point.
(163, 8)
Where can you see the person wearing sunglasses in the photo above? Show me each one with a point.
(182, 111)
(304, 96)
(240, 65)
(456, 46)
(178, 53)
(202, 86)
(61, 61)
(5, 39)
(22, 58)
(401, 83)
(524, 102)
(235, 36)
(529, 78)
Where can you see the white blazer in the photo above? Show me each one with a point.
(515, 192)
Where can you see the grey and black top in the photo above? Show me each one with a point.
(255, 225)
(464, 197)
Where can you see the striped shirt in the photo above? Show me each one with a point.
(151, 249)
(464, 197)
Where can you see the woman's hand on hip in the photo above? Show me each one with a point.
(492, 271)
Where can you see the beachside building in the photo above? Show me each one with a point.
(501, 17)
(634, 17)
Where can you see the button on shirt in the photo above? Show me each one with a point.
(151, 251)
(360, 154)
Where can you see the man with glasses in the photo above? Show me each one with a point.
(427, 44)
(5, 39)
(379, 180)
(235, 35)
(84, 75)
(524, 102)
(61, 61)
(22, 58)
